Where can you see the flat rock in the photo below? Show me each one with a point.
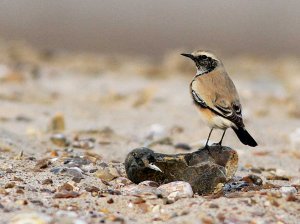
(203, 169)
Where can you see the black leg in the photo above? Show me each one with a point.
(208, 137)
(220, 142)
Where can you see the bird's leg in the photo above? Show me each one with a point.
(220, 142)
(208, 137)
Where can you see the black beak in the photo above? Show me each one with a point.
(189, 56)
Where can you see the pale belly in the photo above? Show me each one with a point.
(215, 121)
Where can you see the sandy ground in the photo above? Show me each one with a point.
(121, 101)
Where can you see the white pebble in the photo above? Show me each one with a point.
(156, 131)
(31, 217)
(288, 190)
(176, 190)
(295, 139)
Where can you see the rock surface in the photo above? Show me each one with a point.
(203, 169)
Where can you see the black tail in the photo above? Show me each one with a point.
(245, 137)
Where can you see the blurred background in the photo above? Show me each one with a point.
(270, 27)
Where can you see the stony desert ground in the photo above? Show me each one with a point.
(68, 120)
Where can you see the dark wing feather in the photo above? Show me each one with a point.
(232, 113)
(197, 100)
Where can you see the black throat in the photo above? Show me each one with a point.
(206, 65)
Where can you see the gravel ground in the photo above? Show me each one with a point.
(69, 120)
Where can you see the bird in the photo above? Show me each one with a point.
(203, 169)
(216, 97)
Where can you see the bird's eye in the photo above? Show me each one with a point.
(203, 57)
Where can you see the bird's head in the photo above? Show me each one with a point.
(141, 158)
(205, 61)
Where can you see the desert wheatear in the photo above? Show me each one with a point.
(216, 97)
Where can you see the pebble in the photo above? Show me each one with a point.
(10, 185)
(92, 189)
(57, 123)
(73, 171)
(176, 190)
(47, 181)
(77, 161)
(110, 201)
(84, 143)
(120, 182)
(3, 191)
(277, 177)
(66, 194)
(107, 174)
(42, 164)
(66, 187)
(60, 140)
(156, 131)
(156, 208)
(68, 217)
(251, 178)
(31, 217)
(288, 190)
(183, 146)
(295, 139)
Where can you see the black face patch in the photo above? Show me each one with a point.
(205, 63)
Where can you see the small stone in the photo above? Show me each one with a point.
(123, 180)
(288, 190)
(176, 190)
(295, 139)
(277, 177)
(54, 153)
(75, 172)
(10, 185)
(84, 143)
(18, 179)
(42, 164)
(9, 170)
(256, 170)
(292, 197)
(107, 174)
(157, 131)
(156, 209)
(92, 189)
(183, 146)
(31, 217)
(66, 187)
(37, 202)
(19, 191)
(213, 205)
(66, 194)
(56, 170)
(21, 202)
(60, 140)
(138, 200)
(57, 123)
(253, 179)
(3, 191)
(110, 201)
(77, 161)
(47, 181)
